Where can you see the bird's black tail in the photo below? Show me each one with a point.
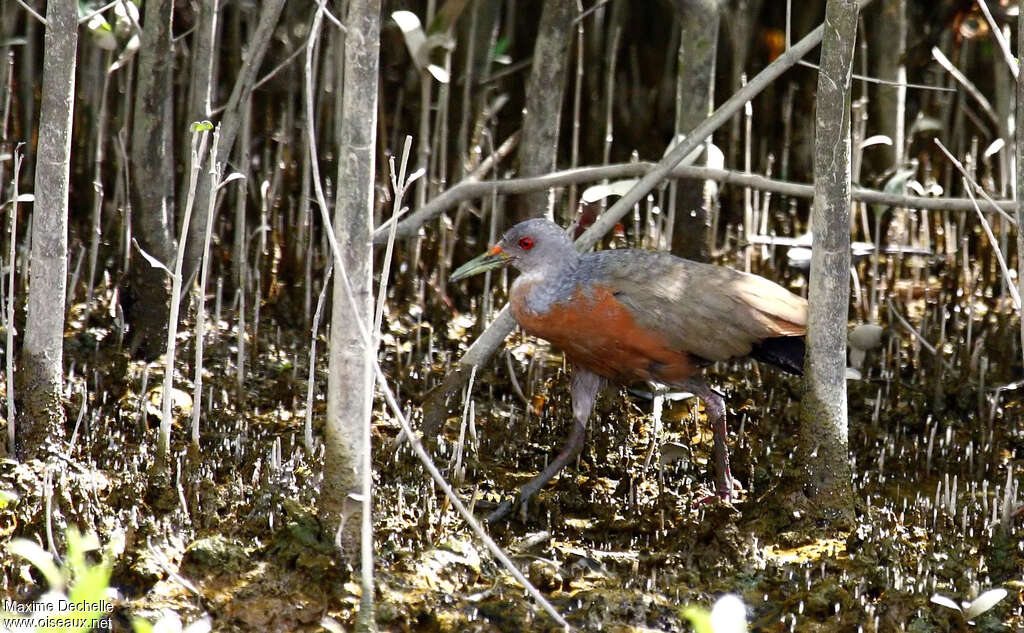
(785, 352)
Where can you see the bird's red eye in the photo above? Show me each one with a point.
(526, 243)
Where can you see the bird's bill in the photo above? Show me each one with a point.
(494, 258)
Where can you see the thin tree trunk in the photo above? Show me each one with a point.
(890, 45)
(230, 124)
(545, 93)
(695, 77)
(151, 173)
(352, 349)
(823, 454)
(1019, 133)
(42, 370)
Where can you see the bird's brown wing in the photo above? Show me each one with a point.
(712, 312)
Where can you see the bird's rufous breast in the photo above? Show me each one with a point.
(599, 333)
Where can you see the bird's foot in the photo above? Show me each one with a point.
(723, 494)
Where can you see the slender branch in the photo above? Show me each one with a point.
(997, 33)
(469, 189)
(32, 12)
(970, 185)
(451, 197)
(971, 89)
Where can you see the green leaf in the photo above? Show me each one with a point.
(141, 625)
(40, 558)
(8, 497)
(500, 47)
(700, 619)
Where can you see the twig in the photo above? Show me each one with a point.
(997, 33)
(969, 184)
(920, 337)
(885, 82)
(32, 12)
(971, 89)
(515, 381)
(448, 199)
(470, 189)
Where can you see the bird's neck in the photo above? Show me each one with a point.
(540, 287)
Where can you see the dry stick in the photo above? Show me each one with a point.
(448, 199)
(971, 89)
(484, 346)
(970, 184)
(311, 381)
(204, 274)
(13, 253)
(399, 184)
(997, 34)
(1019, 166)
(97, 184)
(920, 337)
(457, 473)
(167, 397)
(470, 189)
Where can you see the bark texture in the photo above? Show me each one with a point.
(151, 185)
(698, 44)
(823, 455)
(545, 92)
(230, 125)
(890, 38)
(350, 385)
(1019, 149)
(42, 367)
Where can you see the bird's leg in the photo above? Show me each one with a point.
(586, 386)
(714, 405)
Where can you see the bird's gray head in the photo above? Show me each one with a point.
(528, 246)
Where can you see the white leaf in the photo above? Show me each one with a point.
(798, 255)
(168, 623)
(26, 197)
(994, 147)
(673, 451)
(984, 602)
(877, 139)
(233, 176)
(202, 625)
(102, 34)
(599, 192)
(866, 336)
(946, 602)
(440, 74)
(898, 180)
(153, 261)
(332, 625)
(412, 32)
(716, 159)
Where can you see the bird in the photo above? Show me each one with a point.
(626, 316)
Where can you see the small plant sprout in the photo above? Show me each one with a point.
(971, 609)
(78, 589)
